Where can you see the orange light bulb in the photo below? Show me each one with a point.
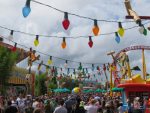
(95, 28)
(63, 45)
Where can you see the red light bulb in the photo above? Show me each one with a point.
(90, 42)
(66, 22)
(14, 48)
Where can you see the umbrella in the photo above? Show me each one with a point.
(66, 90)
(98, 90)
(117, 89)
(59, 90)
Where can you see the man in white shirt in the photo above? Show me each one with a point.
(60, 108)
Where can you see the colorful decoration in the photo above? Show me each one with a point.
(36, 41)
(76, 90)
(143, 30)
(90, 42)
(95, 28)
(117, 37)
(14, 48)
(50, 61)
(66, 22)
(63, 45)
(121, 29)
(26, 9)
(80, 66)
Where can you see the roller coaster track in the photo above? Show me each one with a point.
(141, 47)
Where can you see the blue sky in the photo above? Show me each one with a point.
(43, 20)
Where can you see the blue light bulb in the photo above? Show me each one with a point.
(26, 11)
(117, 38)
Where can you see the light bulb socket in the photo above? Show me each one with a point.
(28, 3)
(65, 15)
(116, 33)
(37, 37)
(11, 32)
(92, 65)
(50, 57)
(95, 22)
(30, 49)
(1, 39)
(120, 24)
(90, 38)
(66, 61)
(15, 45)
(64, 39)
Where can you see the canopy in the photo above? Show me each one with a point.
(117, 89)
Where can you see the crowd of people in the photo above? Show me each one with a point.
(68, 103)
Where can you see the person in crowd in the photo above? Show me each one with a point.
(35, 103)
(91, 108)
(2, 104)
(136, 105)
(70, 104)
(120, 108)
(21, 103)
(37, 110)
(80, 107)
(60, 108)
(10, 108)
(48, 107)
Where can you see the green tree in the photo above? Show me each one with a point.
(7, 61)
(40, 86)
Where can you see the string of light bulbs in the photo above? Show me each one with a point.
(51, 56)
(73, 37)
(69, 13)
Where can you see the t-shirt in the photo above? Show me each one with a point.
(91, 109)
(11, 109)
(60, 109)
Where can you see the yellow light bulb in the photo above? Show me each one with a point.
(36, 41)
(49, 62)
(121, 32)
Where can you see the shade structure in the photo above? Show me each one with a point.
(98, 90)
(117, 89)
(66, 90)
(58, 90)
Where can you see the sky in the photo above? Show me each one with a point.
(44, 20)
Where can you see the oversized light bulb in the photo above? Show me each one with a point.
(36, 41)
(66, 64)
(50, 61)
(26, 9)
(66, 21)
(95, 28)
(14, 48)
(121, 29)
(143, 30)
(80, 66)
(63, 44)
(117, 37)
(90, 43)
(10, 37)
